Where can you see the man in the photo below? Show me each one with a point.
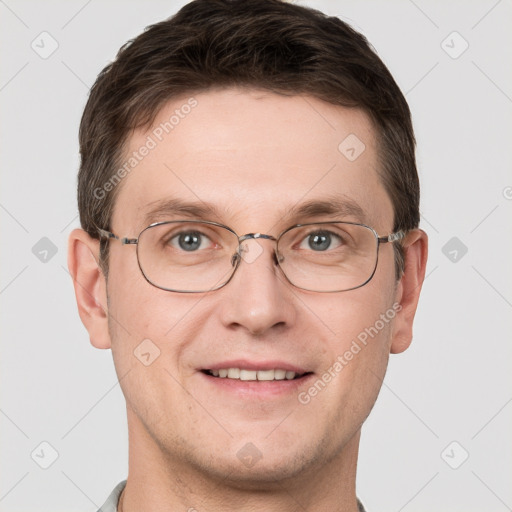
(250, 252)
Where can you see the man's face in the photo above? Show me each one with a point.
(253, 157)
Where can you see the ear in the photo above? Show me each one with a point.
(90, 286)
(409, 288)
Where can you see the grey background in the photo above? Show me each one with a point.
(453, 384)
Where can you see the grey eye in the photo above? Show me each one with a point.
(188, 241)
(321, 241)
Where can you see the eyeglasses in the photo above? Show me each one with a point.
(191, 256)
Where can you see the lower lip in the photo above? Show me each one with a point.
(258, 388)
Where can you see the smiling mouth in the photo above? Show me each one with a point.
(255, 375)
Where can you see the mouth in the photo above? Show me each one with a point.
(243, 374)
(260, 380)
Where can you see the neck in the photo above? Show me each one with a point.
(163, 481)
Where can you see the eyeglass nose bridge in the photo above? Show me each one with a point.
(235, 259)
(248, 236)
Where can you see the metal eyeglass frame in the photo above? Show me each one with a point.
(236, 258)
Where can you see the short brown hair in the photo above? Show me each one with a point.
(265, 44)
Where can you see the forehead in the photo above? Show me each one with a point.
(252, 156)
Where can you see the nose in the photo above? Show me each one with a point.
(258, 298)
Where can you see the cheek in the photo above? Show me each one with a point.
(358, 327)
(348, 385)
(347, 316)
(151, 329)
(137, 309)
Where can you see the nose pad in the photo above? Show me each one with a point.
(235, 259)
(276, 256)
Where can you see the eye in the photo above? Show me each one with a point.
(321, 241)
(189, 241)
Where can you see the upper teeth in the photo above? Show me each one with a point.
(237, 373)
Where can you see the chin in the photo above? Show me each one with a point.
(261, 464)
(264, 474)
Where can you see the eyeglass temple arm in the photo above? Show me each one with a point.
(393, 237)
(107, 234)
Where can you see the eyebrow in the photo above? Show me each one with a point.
(163, 208)
(332, 206)
(337, 206)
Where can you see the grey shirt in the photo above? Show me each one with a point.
(111, 504)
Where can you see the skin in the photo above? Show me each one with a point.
(184, 433)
